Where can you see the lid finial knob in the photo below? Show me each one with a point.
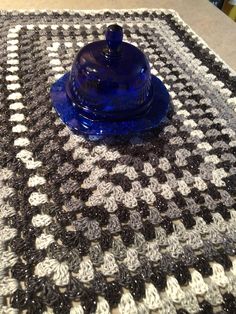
(114, 36)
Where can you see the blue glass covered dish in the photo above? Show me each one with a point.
(110, 89)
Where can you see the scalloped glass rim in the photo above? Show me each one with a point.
(72, 116)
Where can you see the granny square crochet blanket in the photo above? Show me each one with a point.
(134, 225)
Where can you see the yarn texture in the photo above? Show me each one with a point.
(141, 224)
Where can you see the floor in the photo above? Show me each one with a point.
(209, 22)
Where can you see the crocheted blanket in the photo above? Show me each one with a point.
(140, 224)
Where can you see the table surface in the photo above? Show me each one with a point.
(210, 23)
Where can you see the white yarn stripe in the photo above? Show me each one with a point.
(36, 180)
(197, 283)
(19, 128)
(109, 266)
(86, 271)
(14, 96)
(21, 142)
(17, 117)
(13, 62)
(127, 304)
(142, 309)
(173, 290)
(37, 198)
(52, 268)
(44, 240)
(102, 307)
(219, 277)
(49, 267)
(8, 286)
(8, 259)
(16, 105)
(9, 310)
(190, 302)
(13, 86)
(132, 261)
(41, 220)
(234, 267)
(76, 309)
(152, 298)
(60, 273)
(27, 158)
(12, 77)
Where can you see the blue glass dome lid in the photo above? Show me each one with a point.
(110, 89)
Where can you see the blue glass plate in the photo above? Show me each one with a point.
(73, 117)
